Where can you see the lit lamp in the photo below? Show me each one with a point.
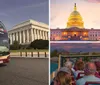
(85, 33)
(64, 33)
(74, 33)
(69, 36)
(80, 36)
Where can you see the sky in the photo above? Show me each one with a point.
(76, 47)
(61, 9)
(13, 12)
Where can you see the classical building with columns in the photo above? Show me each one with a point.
(28, 31)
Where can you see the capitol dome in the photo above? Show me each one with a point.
(75, 19)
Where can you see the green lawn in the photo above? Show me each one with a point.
(30, 50)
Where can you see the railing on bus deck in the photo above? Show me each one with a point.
(62, 58)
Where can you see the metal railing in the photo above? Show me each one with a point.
(29, 54)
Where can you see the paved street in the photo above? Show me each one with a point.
(24, 71)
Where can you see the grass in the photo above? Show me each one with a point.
(30, 50)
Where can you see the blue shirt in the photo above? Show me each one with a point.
(83, 80)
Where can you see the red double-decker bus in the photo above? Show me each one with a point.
(4, 45)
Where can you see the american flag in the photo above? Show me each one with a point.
(93, 1)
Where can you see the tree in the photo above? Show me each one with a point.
(15, 45)
(54, 53)
(86, 59)
(40, 44)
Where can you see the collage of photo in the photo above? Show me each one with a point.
(49, 42)
(74, 42)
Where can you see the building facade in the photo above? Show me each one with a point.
(75, 30)
(69, 34)
(28, 31)
(75, 34)
(94, 34)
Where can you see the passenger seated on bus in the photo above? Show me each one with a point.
(80, 68)
(79, 60)
(67, 61)
(89, 71)
(68, 64)
(97, 74)
(92, 83)
(80, 75)
(63, 77)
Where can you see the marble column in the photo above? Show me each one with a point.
(40, 35)
(16, 36)
(20, 37)
(13, 37)
(10, 38)
(23, 36)
(44, 35)
(27, 36)
(32, 37)
(47, 36)
(35, 33)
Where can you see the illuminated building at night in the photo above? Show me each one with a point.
(75, 30)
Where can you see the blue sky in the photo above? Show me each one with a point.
(13, 12)
(61, 10)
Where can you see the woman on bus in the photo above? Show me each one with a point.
(76, 63)
(63, 77)
(80, 68)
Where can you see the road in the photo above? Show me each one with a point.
(24, 71)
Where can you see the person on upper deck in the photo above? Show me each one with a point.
(79, 60)
(89, 71)
(97, 74)
(63, 77)
(80, 68)
(69, 65)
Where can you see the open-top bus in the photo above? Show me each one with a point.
(73, 58)
(4, 45)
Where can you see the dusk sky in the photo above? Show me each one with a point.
(13, 12)
(77, 47)
(89, 10)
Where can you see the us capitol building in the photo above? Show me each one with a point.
(75, 30)
(28, 31)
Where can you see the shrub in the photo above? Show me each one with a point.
(40, 44)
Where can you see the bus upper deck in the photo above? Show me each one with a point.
(78, 68)
(4, 44)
